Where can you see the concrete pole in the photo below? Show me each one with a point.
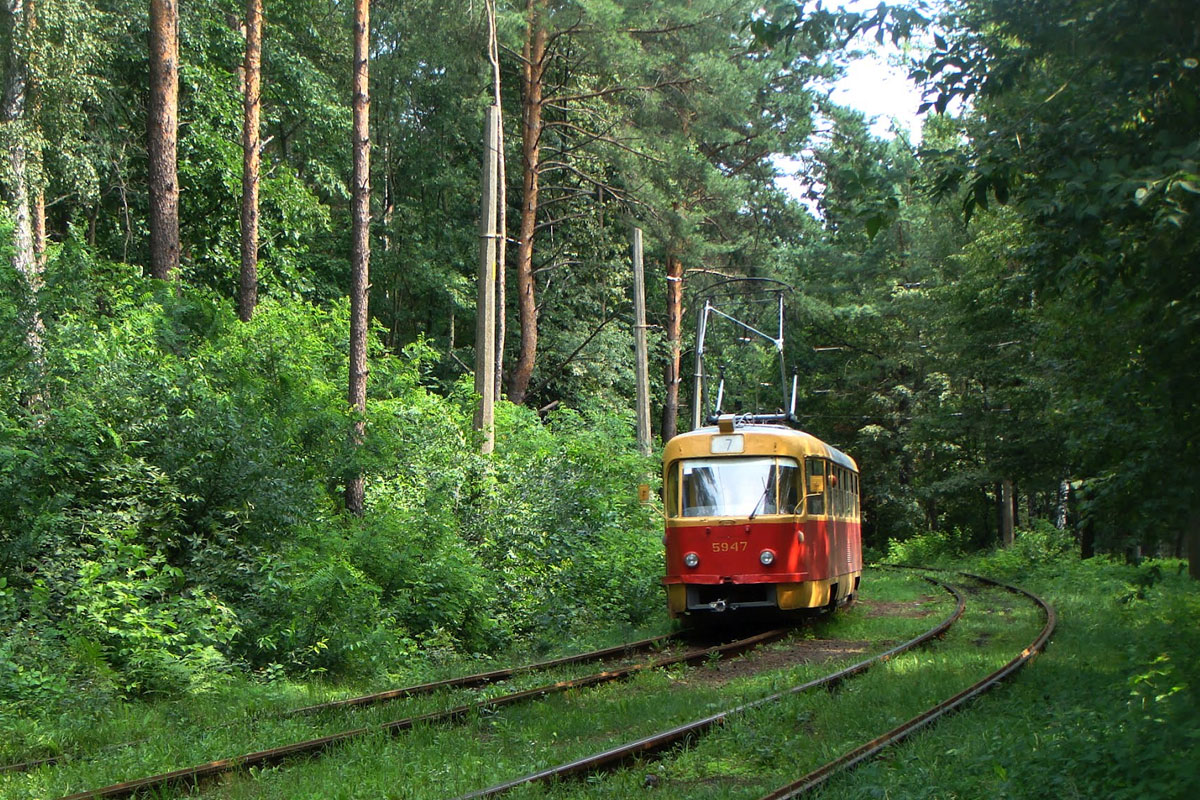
(639, 327)
(485, 304)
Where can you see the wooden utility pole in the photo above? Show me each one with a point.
(361, 248)
(248, 283)
(639, 342)
(163, 125)
(670, 420)
(485, 306)
(501, 200)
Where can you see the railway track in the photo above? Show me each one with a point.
(613, 758)
(376, 698)
(196, 774)
(674, 737)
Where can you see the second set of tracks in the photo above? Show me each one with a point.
(613, 757)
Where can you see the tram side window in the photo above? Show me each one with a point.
(815, 468)
(671, 498)
(834, 493)
(849, 496)
(842, 485)
(789, 488)
(844, 488)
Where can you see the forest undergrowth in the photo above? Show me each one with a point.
(172, 514)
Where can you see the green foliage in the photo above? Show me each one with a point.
(172, 511)
(560, 502)
(928, 548)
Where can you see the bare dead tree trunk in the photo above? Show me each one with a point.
(251, 153)
(532, 85)
(163, 122)
(670, 418)
(25, 258)
(361, 252)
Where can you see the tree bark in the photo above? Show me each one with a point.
(1006, 512)
(1193, 545)
(163, 125)
(361, 248)
(1062, 504)
(248, 282)
(25, 258)
(532, 85)
(670, 418)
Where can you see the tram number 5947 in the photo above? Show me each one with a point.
(729, 547)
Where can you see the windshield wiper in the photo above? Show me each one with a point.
(766, 491)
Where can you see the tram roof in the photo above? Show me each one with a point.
(690, 444)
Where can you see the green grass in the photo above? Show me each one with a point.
(1109, 710)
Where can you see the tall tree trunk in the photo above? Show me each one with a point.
(1192, 536)
(532, 80)
(25, 258)
(1062, 504)
(1006, 512)
(361, 252)
(670, 418)
(163, 125)
(248, 283)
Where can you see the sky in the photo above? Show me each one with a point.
(876, 84)
(883, 91)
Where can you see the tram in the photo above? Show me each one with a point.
(759, 515)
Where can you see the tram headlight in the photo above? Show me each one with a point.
(691, 559)
(766, 558)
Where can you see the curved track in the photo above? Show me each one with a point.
(664, 740)
(613, 757)
(860, 754)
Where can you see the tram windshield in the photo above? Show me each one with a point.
(739, 487)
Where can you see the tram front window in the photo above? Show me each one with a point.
(735, 487)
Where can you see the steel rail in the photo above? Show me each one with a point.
(462, 682)
(664, 740)
(857, 756)
(190, 776)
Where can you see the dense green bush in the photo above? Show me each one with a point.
(170, 508)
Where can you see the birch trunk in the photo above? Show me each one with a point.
(248, 282)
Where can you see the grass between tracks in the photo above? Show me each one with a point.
(1109, 710)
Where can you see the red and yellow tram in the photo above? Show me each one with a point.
(759, 516)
